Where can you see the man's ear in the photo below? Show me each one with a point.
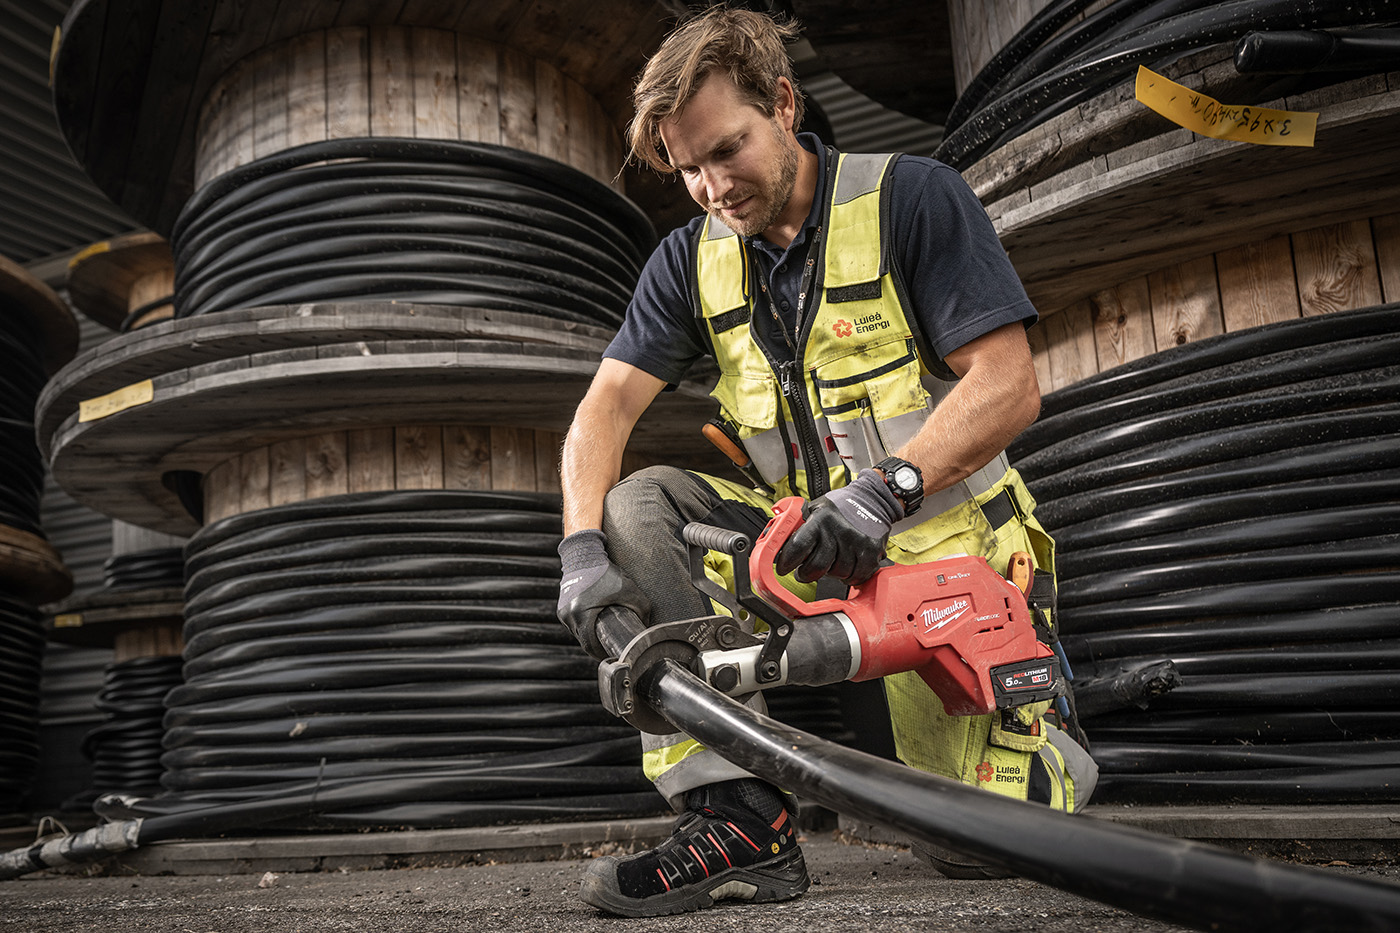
(785, 104)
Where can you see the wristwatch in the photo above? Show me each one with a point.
(905, 481)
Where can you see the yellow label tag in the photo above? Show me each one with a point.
(68, 620)
(138, 393)
(1209, 117)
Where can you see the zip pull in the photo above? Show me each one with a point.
(786, 376)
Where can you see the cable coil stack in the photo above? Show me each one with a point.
(398, 251)
(1064, 56)
(428, 221)
(403, 641)
(37, 334)
(1230, 506)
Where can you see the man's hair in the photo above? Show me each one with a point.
(746, 46)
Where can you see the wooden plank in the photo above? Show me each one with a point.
(241, 114)
(518, 123)
(370, 459)
(585, 151)
(210, 135)
(1386, 231)
(1337, 268)
(466, 457)
(221, 491)
(1122, 323)
(435, 91)
(547, 449)
(418, 457)
(1185, 302)
(309, 95)
(254, 482)
(512, 458)
(148, 641)
(479, 84)
(1040, 355)
(551, 112)
(286, 470)
(1257, 285)
(271, 89)
(326, 471)
(347, 70)
(390, 82)
(1069, 343)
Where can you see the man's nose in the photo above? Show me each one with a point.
(717, 185)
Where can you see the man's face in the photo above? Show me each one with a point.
(737, 163)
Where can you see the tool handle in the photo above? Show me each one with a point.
(787, 518)
(715, 538)
(714, 432)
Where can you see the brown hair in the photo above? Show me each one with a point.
(745, 45)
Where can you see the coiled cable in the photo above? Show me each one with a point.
(21, 657)
(1105, 49)
(22, 378)
(395, 656)
(1230, 506)
(433, 221)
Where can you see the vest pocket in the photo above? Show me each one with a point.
(872, 416)
(749, 402)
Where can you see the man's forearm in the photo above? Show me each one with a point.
(591, 464)
(995, 400)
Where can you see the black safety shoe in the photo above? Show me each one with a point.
(710, 856)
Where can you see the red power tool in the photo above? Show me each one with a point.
(963, 627)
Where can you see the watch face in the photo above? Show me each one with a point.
(906, 478)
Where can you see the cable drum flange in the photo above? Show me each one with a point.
(1230, 506)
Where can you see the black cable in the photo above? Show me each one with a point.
(1227, 513)
(391, 655)
(22, 647)
(125, 750)
(22, 378)
(1302, 51)
(414, 220)
(148, 569)
(1159, 34)
(1170, 879)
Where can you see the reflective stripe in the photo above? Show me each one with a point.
(860, 175)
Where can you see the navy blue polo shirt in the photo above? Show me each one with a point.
(959, 280)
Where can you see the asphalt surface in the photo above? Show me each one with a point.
(856, 886)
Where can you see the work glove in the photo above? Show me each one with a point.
(843, 532)
(592, 586)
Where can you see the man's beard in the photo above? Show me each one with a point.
(773, 193)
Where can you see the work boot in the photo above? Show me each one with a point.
(735, 840)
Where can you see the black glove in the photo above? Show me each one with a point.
(590, 585)
(844, 532)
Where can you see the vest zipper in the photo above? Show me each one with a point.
(795, 391)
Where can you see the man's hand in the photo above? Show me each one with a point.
(591, 584)
(843, 532)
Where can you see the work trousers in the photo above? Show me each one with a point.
(1014, 752)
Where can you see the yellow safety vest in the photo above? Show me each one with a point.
(863, 389)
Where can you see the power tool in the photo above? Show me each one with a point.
(962, 626)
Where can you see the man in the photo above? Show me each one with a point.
(870, 337)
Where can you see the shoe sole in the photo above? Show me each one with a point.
(778, 879)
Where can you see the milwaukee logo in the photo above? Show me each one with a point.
(939, 616)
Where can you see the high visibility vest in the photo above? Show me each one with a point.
(861, 388)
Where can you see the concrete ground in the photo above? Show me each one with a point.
(856, 886)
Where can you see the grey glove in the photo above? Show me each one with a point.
(591, 586)
(843, 532)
